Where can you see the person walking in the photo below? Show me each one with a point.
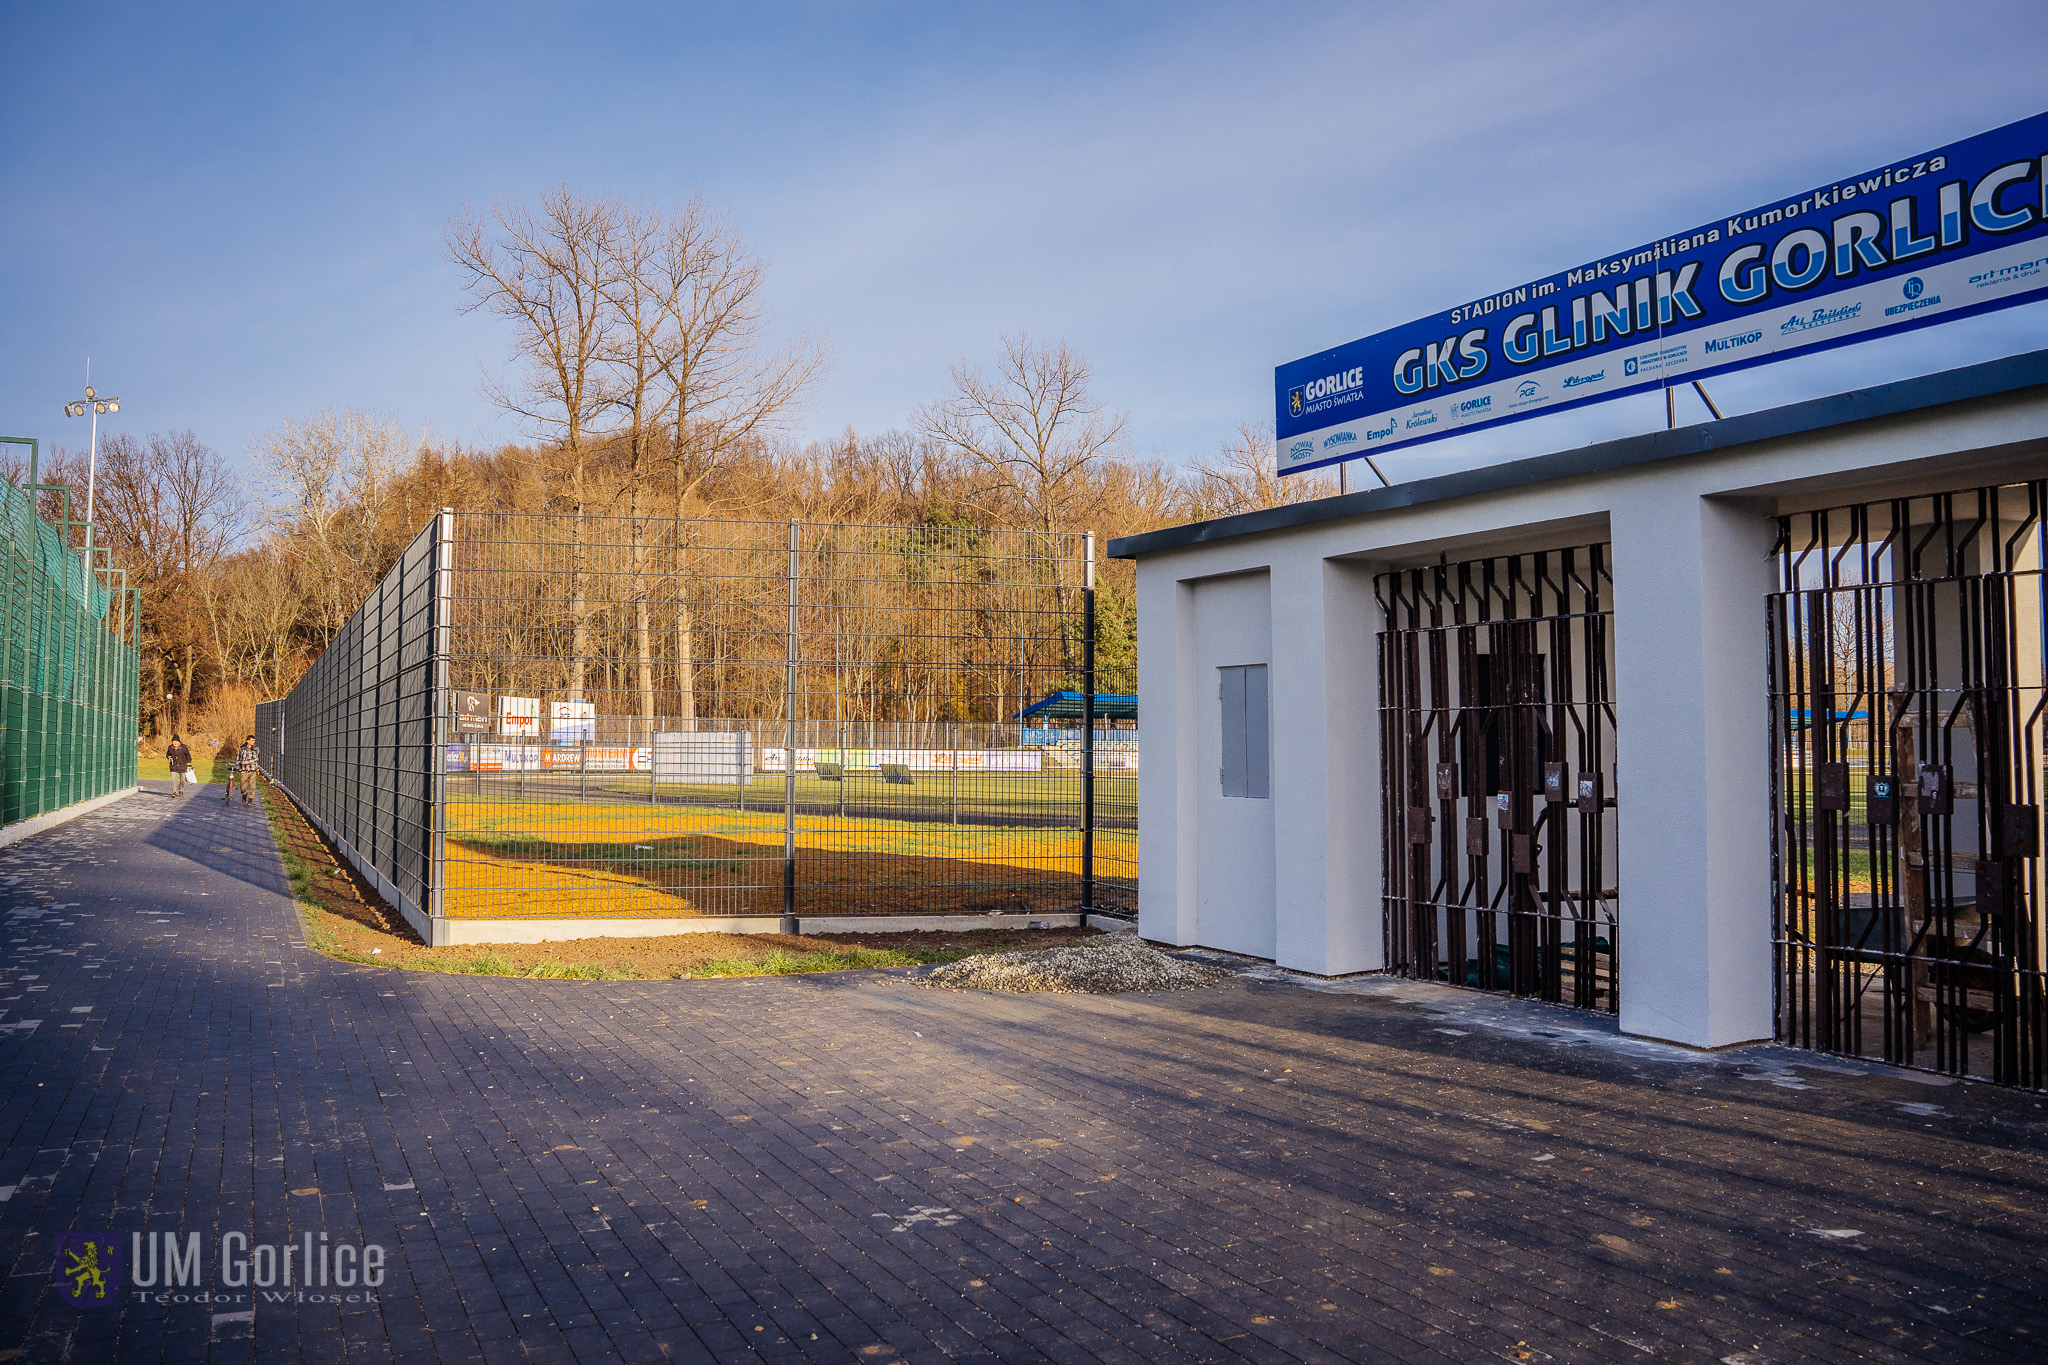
(178, 759)
(246, 760)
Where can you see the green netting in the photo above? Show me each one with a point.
(69, 680)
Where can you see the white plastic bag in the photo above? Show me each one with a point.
(192, 776)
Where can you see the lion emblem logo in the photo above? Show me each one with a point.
(89, 1268)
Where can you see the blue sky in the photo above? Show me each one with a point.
(237, 211)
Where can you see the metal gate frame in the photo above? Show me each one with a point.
(1907, 720)
(1497, 727)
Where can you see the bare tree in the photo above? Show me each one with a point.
(1035, 425)
(550, 272)
(641, 340)
(1240, 476)
(326, 479)
(725, 390)
(168, 508)
(252, 604)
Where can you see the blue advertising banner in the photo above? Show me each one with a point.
(1934, 237)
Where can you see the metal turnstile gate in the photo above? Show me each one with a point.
(1907, 715)
(1497, 775)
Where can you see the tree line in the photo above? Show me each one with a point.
(649, 391)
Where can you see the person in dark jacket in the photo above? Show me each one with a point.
(179, 759)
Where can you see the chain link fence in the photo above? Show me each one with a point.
(70, 667)
(595, 719)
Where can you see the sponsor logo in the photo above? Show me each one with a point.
(1912, 289)
(1820, 317)
(1301, 450)
(1734, 343)
(1572, 381)
(88, 1268)
(1342, 438)
(1471, 405)
(1653, 360)
(2006, 274)
(1421, 417)
(1350, 381)
(1382, 433)
(1528, 388)
(1294, 400)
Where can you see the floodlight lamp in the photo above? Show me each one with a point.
(89, 393)
(113, 405)
(100, 409)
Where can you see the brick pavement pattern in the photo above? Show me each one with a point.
(845, 1168)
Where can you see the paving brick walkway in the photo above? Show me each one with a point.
(844, 1168)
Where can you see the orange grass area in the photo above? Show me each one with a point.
(541, 860)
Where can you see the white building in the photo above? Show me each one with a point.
(1677, 634)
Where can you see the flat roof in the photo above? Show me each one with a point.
(1067, 706)
(2007, 375)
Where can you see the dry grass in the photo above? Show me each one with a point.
(568, 860)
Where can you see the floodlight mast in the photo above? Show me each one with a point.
(97, 406)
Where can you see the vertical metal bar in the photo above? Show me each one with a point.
(1088, 732)
(789, 693)
(441, 619)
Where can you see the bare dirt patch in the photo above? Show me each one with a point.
(347, 919)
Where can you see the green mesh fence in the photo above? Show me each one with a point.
(69, 672)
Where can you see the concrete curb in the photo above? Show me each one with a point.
(22, 829)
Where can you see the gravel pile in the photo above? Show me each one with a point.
(1102, 966)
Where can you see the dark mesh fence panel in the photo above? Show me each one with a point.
(605, 718)
(353, 744)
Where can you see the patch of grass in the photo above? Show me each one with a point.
(495, 964)
(780, 962)
(300, 873)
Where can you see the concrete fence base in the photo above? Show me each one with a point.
(447, 932)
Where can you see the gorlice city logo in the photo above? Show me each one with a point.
(88, 1268)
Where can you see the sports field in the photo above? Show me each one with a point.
(571, 848)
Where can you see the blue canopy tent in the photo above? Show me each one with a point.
(1067, 706)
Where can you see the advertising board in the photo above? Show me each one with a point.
(470, 715)
(519, 717)
(917, 760)
(1929, 238)
(572, 722)
(506, 758)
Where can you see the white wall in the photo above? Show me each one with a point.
(1234, 887)
(1691, 537)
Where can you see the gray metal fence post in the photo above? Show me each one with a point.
(953, 756)
(789, 750)
(1088, 735)
(444, 597)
